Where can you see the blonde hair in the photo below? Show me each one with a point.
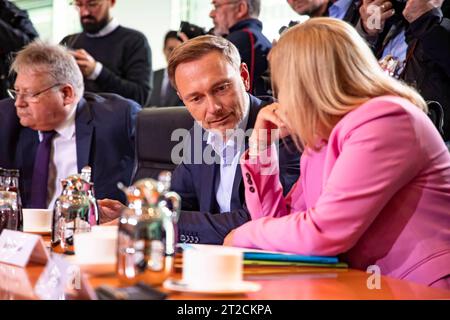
(197, 48)
(322, 70)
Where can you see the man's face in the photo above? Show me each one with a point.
(94, 14)
(224, 15)
(44, 111)
(308, 7)
(213, 91)
(170, 44)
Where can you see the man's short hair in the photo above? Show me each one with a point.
(254, 8)
(197, 48)
(52, 59)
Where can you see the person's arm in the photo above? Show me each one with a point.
(370, 169)
(16, 29)
(263, 189)
(136, 82)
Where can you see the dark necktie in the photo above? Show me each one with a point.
(40, 172)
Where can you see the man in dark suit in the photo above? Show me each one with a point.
(212, 82)
(163, 94)
(238, 22)
(50, 131)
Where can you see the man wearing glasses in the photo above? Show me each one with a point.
(50, 131)
(111, 57)
(237, 20)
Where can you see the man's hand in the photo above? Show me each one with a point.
(416, 8)
(374, 14)
(110, 209)
(85, 61)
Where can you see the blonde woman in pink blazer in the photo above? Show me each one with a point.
(375, 174)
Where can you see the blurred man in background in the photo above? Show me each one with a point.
(237, 20)
(163, 94)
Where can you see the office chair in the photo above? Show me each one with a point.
(154, 130)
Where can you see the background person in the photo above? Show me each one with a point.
(360, 195)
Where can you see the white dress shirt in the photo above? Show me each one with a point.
(63, 157)
(229, 154)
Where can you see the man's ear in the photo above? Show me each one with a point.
(245, 76)
(69, 94)
(242, 10)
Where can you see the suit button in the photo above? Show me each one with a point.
(182, 238)
(250, 182)
(247, 175)
(252, 190)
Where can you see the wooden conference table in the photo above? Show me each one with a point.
(277, 283)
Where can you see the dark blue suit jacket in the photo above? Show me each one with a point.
(104, 130)
(201, 220)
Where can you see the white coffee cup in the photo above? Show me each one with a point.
(96, 247)
(215, 268)
(37, 220)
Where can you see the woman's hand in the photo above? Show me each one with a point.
(269, 127)
(110, 209)
(228, 241)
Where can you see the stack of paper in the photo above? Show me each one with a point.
(267, 258)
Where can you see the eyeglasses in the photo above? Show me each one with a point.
(90, 5)
(28, 97)
(219, 5)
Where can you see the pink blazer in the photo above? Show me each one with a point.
(377, 194)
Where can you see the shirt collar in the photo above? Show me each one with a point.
(110, 27)
(215, 139)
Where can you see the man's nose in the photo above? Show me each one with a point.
(213, 105)
(212, 13)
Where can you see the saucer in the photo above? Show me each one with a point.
(241, 287)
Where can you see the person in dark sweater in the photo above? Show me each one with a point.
(112, 58)
(16, 30)
(163, 94)
(238, 22)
